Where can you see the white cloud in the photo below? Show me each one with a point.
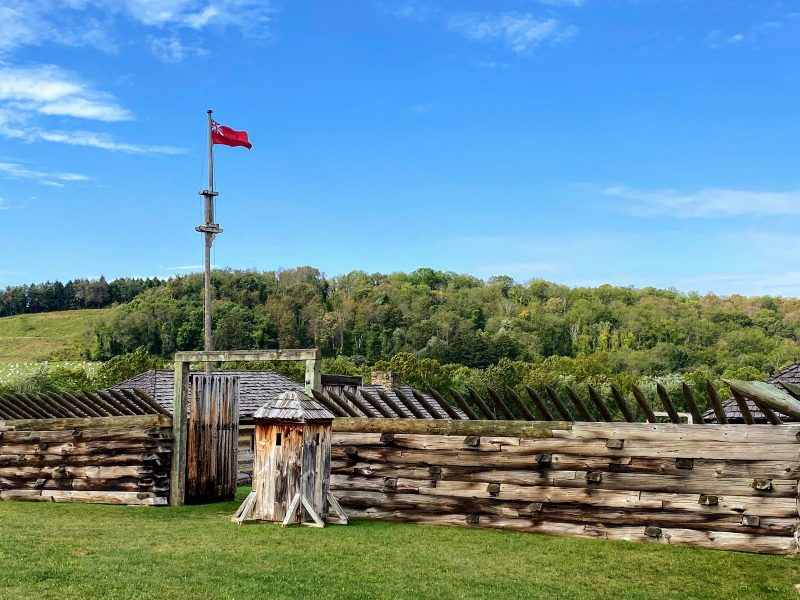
(103, 142)
(49, 90)
(561, 2)
(707, 202)
(412, 10)
(521, 32)
(3, 204)
(185, 268)
(54, 179)
(106, 24)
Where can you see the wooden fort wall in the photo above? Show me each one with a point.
(108, 460)
(730, 487)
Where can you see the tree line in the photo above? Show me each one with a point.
(457, 319)
(75, 294)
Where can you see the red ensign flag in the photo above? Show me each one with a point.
(220, 134)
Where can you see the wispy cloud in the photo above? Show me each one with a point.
(173, 50)
(421, 108)
(707, 202)
(186, 268)
(106, 24)
(3, 204)
(750, 36)
(521, 32)
(56, 179)
(27, 94)
(492, 64)
(49, 90)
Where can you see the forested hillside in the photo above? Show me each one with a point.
(459, 319)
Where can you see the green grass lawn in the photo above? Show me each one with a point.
(59, 551)
(48, 336)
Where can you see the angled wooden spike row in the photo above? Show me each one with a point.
(539, 404)
(697, 417)
(579, 405)
(667, 402)
(644, 405)
(445, 405)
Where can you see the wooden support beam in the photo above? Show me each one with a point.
(539, 404)
(481, 404)
(562, 410)
(447, 427)
(313, 378)
(697, 416)
(180, 426)
(579, 405)
(249, 355)
(644, 405)
(601, 407)
(498, 402)
(743, 408)
(444, 405)
(328, 403)
(526, 412)
(463, 405)
(426, 405)
(713, 400)
(623, 406)
(667, 402)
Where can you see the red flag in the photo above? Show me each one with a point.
(220, 134)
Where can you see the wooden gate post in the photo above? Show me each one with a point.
(177, 473)
(314, 374)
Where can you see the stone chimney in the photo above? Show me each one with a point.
(387, 379)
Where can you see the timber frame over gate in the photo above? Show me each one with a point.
(183, 360)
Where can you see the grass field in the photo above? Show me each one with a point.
(48, 336)
(56, 551)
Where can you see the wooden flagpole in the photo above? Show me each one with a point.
(210, 229)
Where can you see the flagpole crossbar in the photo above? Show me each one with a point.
(213, 228)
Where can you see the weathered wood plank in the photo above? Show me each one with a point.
(767, 394)
(90, 423)
(446, 427)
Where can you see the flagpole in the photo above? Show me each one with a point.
(209, 228)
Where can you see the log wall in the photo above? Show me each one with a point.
(106, 460)
(732, 487)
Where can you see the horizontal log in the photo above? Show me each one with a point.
(143, 421)
(688, 537)
(85, 435)
(66, 472)
(533, 429)
(248, 355)
(359, 499)
(740, 434)
(696, 483)
(92, 497)
(426, 442)
(99, 459)
(768, 394)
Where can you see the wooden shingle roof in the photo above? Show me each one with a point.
(293, 406)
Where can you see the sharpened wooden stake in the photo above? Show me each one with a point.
(713, 399)
(388, 400)
(405, 401)
(643, 405)
(601, 407)
(498, 402)
(445, 405)
(623, 406)
(667, 402)
(329, 404)
(747, 416)
(579, 405)
(539, 404)
(562, 410)
(526, 412)
(697, 416)
(426, 405)
(475, 397)
(462, 404)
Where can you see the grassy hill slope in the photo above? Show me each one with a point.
(60, 335)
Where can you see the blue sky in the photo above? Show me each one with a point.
(633, 142)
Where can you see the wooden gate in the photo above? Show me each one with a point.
(213, 437)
